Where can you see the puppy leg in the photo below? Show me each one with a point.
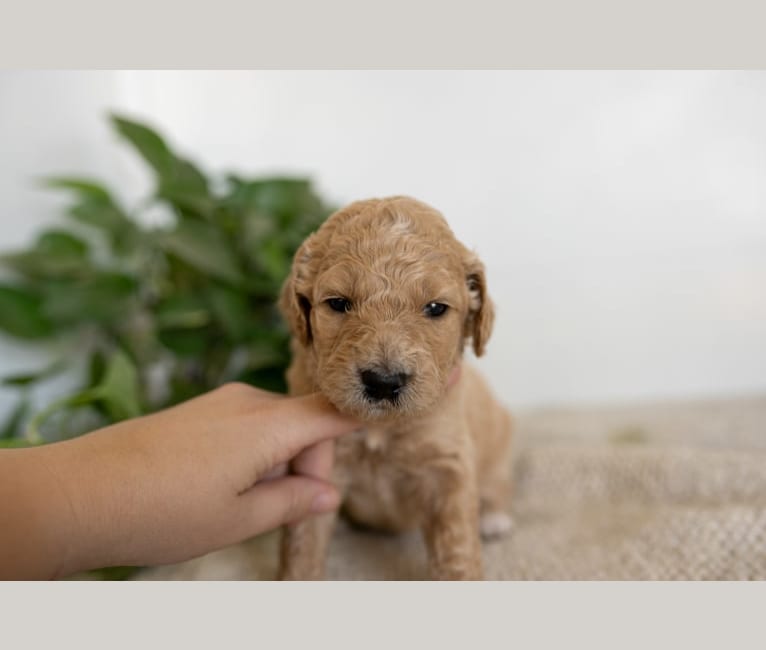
(304, 547)
(495, 488)
(452, 537)
(495, 520)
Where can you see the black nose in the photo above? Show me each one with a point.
(379, 386)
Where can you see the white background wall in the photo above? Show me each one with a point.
(621, 215)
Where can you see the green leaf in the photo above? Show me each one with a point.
(274, 259)
(104, 216)
(183, 387)
(148, 143)
(262, 355)
(96, 208)
(271, 378)
(35, 265)
(118, 392)
(82, 398)
(55, 253)
(21, 313)
(203, 247)
(231, 311)
(114, 573)
(25, 379)
(74, 422)
(286, 198)
(186, 189)
(185, 342)
(283, 196)
(16, 443)
(96, 367)
(119, 389)
(104, 297)
(82, 186)
(13, 424)
(257, 227)
(263, 286)
(182, 311)
(60, 243)
(179, 181)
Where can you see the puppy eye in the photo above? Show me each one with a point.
(339, 304)
(435, 309)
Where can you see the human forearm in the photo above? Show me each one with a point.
(169, 486)
(35, 518)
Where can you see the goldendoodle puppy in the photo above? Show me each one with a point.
(380, 302)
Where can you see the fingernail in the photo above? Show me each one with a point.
(325, 502)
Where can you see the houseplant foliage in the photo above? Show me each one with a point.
(150, 316)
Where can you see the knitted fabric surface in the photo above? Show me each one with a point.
(653, 492)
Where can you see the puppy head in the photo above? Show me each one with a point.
(384, 297)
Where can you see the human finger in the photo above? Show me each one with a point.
(296, 423)
(315, 461)
(285, 500)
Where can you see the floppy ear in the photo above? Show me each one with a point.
(294, 300)
(481, 311)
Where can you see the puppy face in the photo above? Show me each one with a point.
(383, 296)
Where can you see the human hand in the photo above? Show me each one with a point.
(185, 481)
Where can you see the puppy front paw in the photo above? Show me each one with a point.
(494, 525)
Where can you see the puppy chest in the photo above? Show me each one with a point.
(380, 491)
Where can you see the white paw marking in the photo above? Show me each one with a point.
(495, 524)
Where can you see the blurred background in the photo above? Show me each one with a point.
(621, 215)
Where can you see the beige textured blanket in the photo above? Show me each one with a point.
(663, 491)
